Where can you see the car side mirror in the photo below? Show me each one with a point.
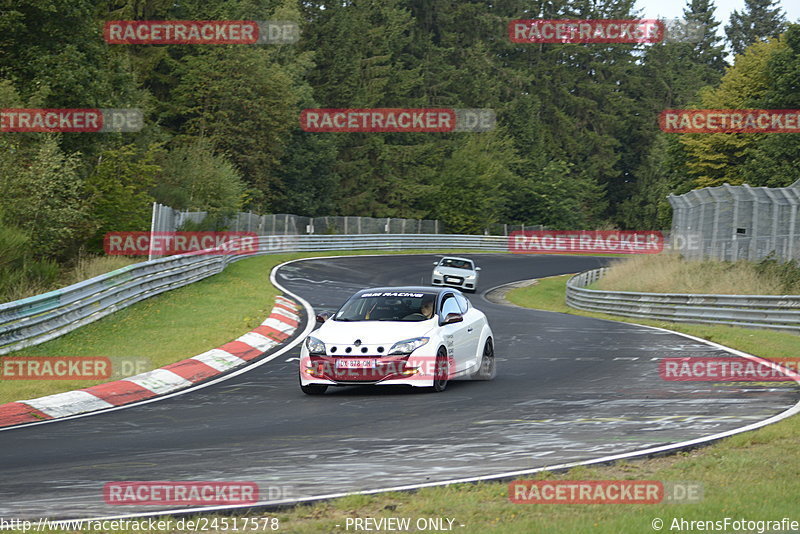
(436, 263)
(322, 317)
(452, 318)
(477, 268)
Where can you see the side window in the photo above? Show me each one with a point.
(449, 305)
(463, 303)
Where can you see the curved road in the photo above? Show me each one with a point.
(568, 388)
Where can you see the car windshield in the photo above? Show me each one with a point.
(388, 306)
(456, 264)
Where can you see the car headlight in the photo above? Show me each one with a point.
(470, 277)
(408, 346)
(437, 273)
(315, 346)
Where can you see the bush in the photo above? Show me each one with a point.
(13, 246)
(786, 273)
(197, 178)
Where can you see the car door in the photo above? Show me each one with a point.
(473, 324)
(454, 335)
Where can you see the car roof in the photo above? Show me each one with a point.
(408, 289)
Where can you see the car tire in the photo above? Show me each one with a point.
(441, 371)
(488, 366)
(314, 389)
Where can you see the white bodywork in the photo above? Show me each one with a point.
(460, 277)
(464, 342)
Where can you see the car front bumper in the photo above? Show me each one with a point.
(453, 281)
(388, 370)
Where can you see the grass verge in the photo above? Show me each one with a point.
(669, 273)
(549, 294)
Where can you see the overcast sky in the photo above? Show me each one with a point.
(674, 8)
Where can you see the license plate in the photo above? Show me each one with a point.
(354, 363)
(452, 280)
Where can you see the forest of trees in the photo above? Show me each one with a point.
(577, 144)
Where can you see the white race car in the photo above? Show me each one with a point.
(416, 336)
(455, 272)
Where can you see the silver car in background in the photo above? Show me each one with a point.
(455, 272)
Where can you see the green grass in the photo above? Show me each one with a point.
(163, 329)
(548, 294)
(755, 475)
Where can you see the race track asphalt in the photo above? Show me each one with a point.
(568, 388)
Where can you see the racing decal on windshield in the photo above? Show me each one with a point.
(393, 294)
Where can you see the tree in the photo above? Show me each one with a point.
(473, 182)
(118, 190)
(196, 177)
(716, 158)
(244, 102)
(308, 178)
(661, 173)
(366, 56)
(758, 21)
(42, 195)
(772, 162)
(709, 50)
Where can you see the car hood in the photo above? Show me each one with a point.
(372, 332)
(453, 271)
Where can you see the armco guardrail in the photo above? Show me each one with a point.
(778, 312)
(37, 319)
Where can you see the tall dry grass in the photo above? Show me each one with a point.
(84, 268)
(668, 273)
(90, 266)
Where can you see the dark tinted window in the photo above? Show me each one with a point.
(386, 306)
(456, 264)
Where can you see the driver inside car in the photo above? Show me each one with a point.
(427, 309)
(425, 312)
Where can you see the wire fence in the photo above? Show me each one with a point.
(34, 320)
(737, 222)
(166, 219)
